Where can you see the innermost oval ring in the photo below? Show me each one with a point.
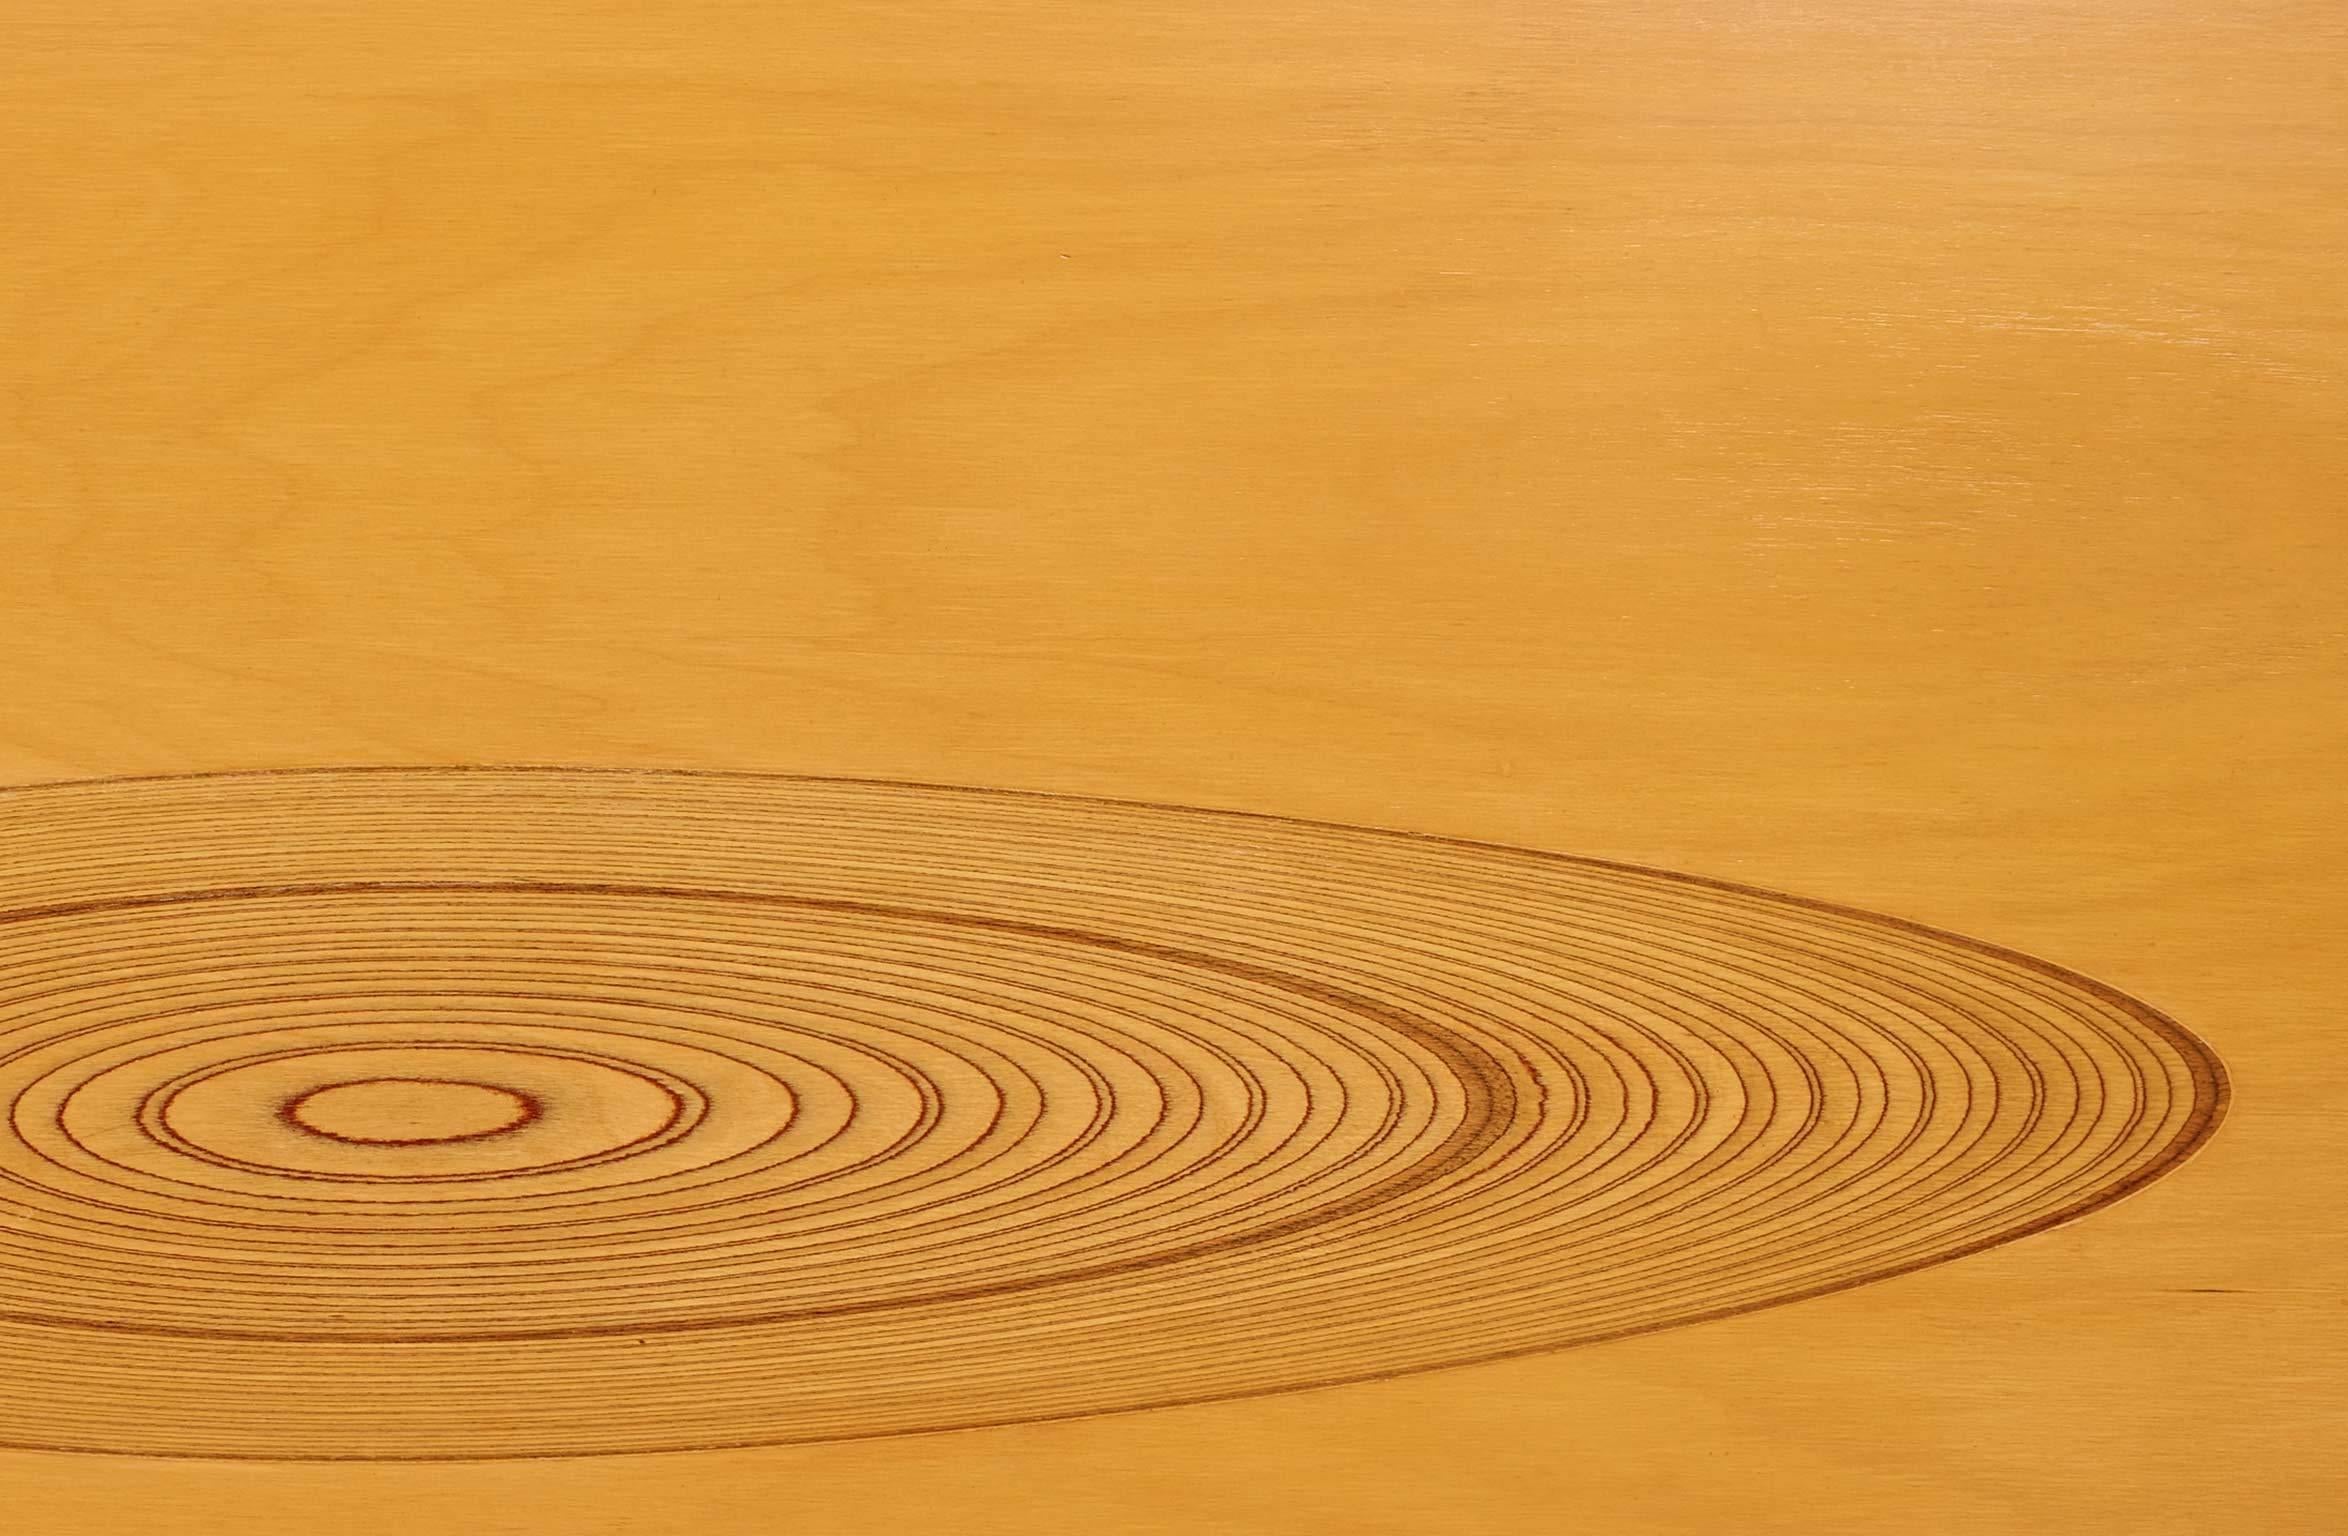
(254, 1103)
(410, 1111)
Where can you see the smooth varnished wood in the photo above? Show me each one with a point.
(1887, 454)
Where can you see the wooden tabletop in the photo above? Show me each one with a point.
(1889, 454)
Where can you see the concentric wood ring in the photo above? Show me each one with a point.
(461, 1113)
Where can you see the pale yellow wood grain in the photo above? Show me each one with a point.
(1887, 452)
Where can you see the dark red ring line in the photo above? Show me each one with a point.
(289, 1111)
(1487, 1086)
(685, 1113)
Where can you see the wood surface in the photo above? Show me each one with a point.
(1888, 454)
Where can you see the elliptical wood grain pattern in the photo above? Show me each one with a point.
(538, 1113)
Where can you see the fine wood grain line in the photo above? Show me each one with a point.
(484, 1113)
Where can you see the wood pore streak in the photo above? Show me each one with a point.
(1003, 1107)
